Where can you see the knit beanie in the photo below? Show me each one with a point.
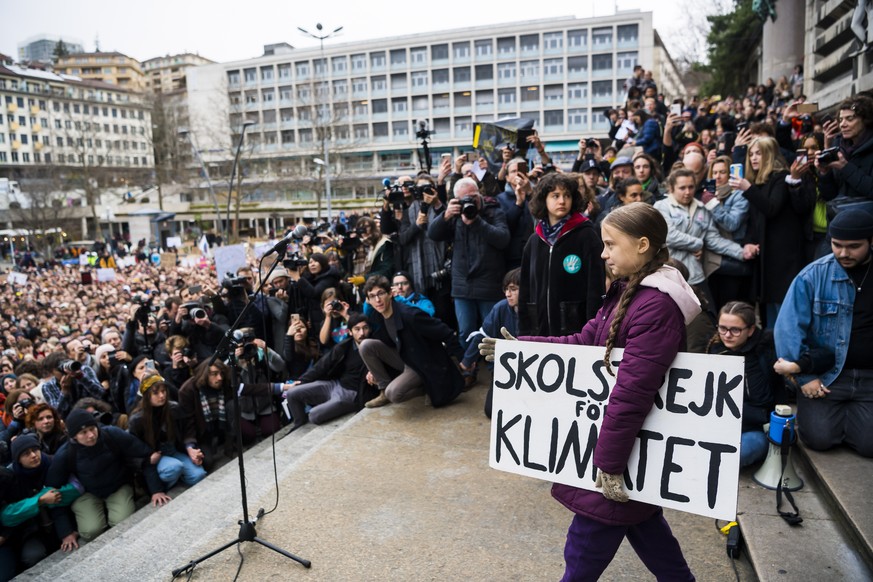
(23, 443)
(852, 225)
(78, 419)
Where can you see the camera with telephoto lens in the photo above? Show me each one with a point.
(191, 306)
(336, 305)
(418, 193)
(592, 143)
(469, 209)
(70, 367)
(396, 195)
(828, 156)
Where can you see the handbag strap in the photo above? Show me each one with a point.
(790, 518)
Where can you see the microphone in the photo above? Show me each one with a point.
(299, 232)
(386, 182)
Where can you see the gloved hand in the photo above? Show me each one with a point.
(358, 280)
(486, 346)
(612, 486)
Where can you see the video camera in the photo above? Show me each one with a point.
(235, 286)
(145, 307)
(395, 194)
(294, 261)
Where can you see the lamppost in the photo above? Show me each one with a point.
(185, 133)
(326, 167)
(242, 134)
(321, 111)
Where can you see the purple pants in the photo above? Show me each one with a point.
(591, 545)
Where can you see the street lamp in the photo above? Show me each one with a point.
(183, 132)
(326, 167)
(324, 133)
(246, 124)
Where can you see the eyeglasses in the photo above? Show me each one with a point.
(734, 331)
(377, 295)
(400, 284)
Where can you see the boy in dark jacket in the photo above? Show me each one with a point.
(96, 457)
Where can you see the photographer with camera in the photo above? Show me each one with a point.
(590, 149)
(300, 350)
(257, 364)
(334, 328)
(141, 333)
(479, 234)
(514, 202)
(377, 250)
(183, 360)
(425, 257)
(68, 382)
(845, 166)
(311, 282)
(202, 332)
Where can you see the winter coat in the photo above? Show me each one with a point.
(343, 362)
(478, 262)
(655, 325)
(194, 423)
(762, 384)
(425, 344)
(777, 218)
(312, 287)
(562, 285)
(855, 179)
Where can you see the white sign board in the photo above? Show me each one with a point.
(228, 259)
(104, 275)
(15, 278)
(550, 400)
(174, 241)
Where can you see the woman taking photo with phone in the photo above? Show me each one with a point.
(645, 311)
(780, 204)
(848, 170)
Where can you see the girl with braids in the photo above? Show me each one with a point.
(645, 311)
(158, 423)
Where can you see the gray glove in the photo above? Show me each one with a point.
(612, 486)
(486, 346)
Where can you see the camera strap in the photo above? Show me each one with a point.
(790, 518)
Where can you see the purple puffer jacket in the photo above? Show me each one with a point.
(652, 332)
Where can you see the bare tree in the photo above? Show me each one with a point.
(44, 207)
(686, 38)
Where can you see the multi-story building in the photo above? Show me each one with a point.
(367, 97)
(109, 67)
(41, 49)
(73, 138)
(167, 74)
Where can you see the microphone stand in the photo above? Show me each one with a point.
(247, 532)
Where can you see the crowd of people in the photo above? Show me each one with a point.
(699, 226)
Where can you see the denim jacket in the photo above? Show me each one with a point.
(817, 313)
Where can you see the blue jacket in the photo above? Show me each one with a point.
(731, 214)
(650, 138)
(817, 313)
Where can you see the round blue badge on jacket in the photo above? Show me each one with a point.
(572, 264)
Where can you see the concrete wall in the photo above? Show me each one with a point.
(782, 44)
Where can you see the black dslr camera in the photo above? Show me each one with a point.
(469, 209)
(245, 338)
(195, 310)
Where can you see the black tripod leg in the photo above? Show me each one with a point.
(194, 562)
(266, 544)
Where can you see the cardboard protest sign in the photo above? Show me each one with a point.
(104, 275)
(550, 400)
(15, 278)
(228, 259)
(168, 260)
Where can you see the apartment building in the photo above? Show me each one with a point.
(109, 67)
(41, 49)
(367, 97)
(164, 75)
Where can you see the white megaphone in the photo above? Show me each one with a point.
(775, 469)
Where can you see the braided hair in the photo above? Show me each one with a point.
(637, 220)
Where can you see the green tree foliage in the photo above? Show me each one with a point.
(60, 50)
(731, 39)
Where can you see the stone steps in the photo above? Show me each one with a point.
(149, 539)
(834, 540)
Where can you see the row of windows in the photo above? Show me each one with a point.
(77, 108)
(526, 71)
(459, 126)
(528, 44)
(25, 157)
(69, 92)
(549, 94)
(25, 139)
(70, 124)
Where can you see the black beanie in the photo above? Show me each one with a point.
(852, 225)
(23, 443)
(78, 419)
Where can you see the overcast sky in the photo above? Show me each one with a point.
(226, 31)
